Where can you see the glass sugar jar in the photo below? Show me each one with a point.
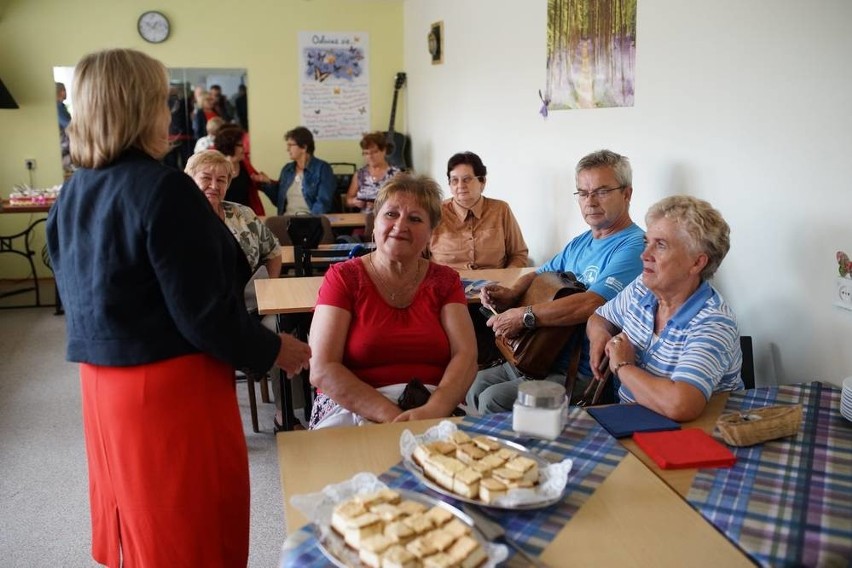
(540, 409)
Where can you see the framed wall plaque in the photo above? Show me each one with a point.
(436, 42)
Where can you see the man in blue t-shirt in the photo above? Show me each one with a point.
(605, 259)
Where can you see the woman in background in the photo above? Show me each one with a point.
(152, 286)
(475, 232)
(369, 179)
(204, 111)
(307, 184)
(212, 171)
(671, 339)
(230, 140)
(213, 126)
(391, 316)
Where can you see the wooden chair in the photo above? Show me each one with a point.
(280, 224)
(251, 380)
(343, 173)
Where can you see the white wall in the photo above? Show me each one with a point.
(745, 104)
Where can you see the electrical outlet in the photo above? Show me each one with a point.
(30, 163)
(843, 295)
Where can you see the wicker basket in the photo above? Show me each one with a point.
(760, 424)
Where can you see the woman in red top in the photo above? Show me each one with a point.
(392, 316)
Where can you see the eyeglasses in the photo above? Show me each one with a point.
(454, 181)
(597, 194)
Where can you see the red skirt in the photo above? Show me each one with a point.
(168, 465)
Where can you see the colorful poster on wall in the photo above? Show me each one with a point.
(334, 84)
(591, 53)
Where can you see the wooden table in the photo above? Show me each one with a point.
(633, 519)
(298, 295)
(22, 239)
(288, 258)
(347, 220)
(341, 220)
(680, 480)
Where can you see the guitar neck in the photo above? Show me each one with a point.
(393, 112)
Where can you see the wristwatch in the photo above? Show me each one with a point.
(529, 318)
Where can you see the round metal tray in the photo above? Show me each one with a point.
(418, 472)
(334, 548)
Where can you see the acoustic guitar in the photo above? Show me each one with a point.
(399, 146)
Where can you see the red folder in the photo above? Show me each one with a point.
(678, 449)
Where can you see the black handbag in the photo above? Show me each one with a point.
(415, 395)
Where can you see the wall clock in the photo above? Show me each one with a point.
(153, 26)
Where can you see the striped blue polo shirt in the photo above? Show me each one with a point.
(699, 345)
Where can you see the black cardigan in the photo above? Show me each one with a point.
(147, 271)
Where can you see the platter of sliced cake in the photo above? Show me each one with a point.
(363, 523)
(483, 470)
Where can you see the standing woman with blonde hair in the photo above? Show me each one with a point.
(152, 285)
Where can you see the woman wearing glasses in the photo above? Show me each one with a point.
(306, 184)
(368, 180)
(476, 232)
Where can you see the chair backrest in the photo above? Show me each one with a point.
(747, 372)
(280, 225)
(305, 231)
(369, 224)
(343, 172)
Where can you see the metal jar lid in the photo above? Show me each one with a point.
(541, 394)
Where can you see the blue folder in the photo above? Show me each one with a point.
(622, 420)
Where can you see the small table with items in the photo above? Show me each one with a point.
(20, 244)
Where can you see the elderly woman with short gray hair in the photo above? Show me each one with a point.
(671, 339)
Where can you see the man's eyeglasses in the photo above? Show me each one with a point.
(597, 194)
(454, 181)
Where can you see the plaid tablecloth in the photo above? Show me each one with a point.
(787, 502)
(595, 454)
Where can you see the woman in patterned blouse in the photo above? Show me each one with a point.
(212, 172)
(368, 180)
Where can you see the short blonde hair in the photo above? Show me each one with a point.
(425, 190)
(214, 124)
(119, 95)
(213, 158)
(705, 227)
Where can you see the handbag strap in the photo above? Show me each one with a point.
(592, 393)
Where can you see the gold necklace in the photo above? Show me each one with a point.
(391, 293)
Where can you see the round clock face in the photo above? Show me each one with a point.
(153, 27)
